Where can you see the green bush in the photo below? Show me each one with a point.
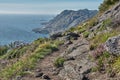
(93, 21)
(81, 30)
(72, 29)
(14, 53)
(3, 50)
(92, 46)
(86, 34)
(59, 62)
(102, 61)
(116, 64)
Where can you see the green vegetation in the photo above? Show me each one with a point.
(116, 64)
(59, 62)
(107, 4)
(86, 34)
(3, 50)
(29, 57)
(101, 38)
(14, 53)
(102, 61)
(72, 29)
(92, 22)
(79, 29)
(106, 23)
(107, 62)
(93, 46)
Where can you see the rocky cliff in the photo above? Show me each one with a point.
(66, 20)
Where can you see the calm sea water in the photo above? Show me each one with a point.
(19, 27)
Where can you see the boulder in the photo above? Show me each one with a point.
(56, 35)
(46, 77)
(38, 74)
(68, 43)
(77, 63)
(112, 45)
(18, 78)
(72, 34)
(66, 38)
(69, 72)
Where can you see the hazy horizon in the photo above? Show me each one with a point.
(45, 6)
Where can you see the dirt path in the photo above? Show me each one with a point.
(46, 66)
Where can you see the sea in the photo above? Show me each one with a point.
(18, 27)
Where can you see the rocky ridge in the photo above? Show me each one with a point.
(66, 20)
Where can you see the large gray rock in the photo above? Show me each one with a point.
(77, 63)
(113, 45)
(72, 34)
(66, 19)
(38, 74)
(56, 35)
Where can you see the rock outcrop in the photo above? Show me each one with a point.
(113, 13)
(56, 35)
(65, 20)
(78, 63)
(113, 45)
(111, 16)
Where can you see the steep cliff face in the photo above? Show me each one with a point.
(66, 19)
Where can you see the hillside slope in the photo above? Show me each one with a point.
(90, 51)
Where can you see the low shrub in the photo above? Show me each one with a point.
(15, 53)
(81, 30)
(86, 34)
(101, 38)
(93, 22)
(59, 62)
(98, 51)
(3, 50)
(103, 61)
(93, 46)
(116, 64)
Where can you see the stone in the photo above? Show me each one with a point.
(38, 74)
(18, 78)
(70, 58)
(68, 43)
(56, 35)
(77, 64)
(112, 45)
(38, 70)
(46, 77)
(75, 38)
(67, 38)
(72, 34)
